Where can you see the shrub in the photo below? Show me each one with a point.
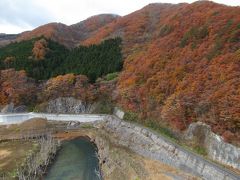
(202, 32)
(150, 123)
(228, 136)
(235, 36)
(194, 34)
(87, 126)
(130, 116)
(165, 30)
(216, 49)
(162, 130)
(104, 107)
(200, 150)
(111, 76)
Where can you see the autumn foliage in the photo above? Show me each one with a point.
(181, 64)
(40, 49)
(191, 73)
(16, 87)
(70, 36)
(69, 85)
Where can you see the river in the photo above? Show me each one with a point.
(77, 160)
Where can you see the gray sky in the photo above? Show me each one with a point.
(21, 15)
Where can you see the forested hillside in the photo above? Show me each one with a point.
(70, 36)
(94, 60)
(42, 58)
(181, 63)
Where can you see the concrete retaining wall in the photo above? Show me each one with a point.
(142, 141)
(223, 152)
(216, 148)
(149, 144)
(118, 112)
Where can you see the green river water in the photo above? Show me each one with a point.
(76, 160)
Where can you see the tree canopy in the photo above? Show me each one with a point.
(43, 58)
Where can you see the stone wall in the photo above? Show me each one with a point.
(149, 144)
(68, 105)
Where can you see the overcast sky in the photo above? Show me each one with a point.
(21, 15)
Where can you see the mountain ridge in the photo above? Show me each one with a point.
(181, 63)
(71, 35)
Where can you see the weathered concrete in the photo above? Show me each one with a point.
(217, 149)
(119, 113)
(142, 141)
(149, 144)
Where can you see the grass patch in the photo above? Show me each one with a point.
(151, 124)
(130, 116)
(161, 130)
(14, 154)
(165, 132)
(87, 126)
(111, 76)
(200, 150)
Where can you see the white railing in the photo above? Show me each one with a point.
(21, 117)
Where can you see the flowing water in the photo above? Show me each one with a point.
(77, 160)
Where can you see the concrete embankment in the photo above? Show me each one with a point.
(142, 141)
(154, 146)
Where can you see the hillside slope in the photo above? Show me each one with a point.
(43, 58)
(6, 39)
(181, 64)
(69, 36)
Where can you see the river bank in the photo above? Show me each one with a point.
(77, 159)
(119, 162)
(133, 152)
(116, 161)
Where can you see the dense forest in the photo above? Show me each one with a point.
(181, 65)
(181, 62)
(43, 58)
